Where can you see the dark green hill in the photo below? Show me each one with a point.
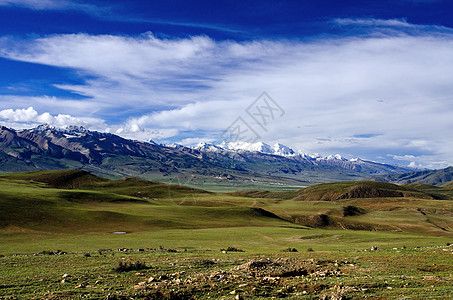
(79, 179)
(62, 179)
(132, 186)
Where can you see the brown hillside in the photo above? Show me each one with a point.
(356, 190)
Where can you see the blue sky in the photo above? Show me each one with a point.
(368, 79)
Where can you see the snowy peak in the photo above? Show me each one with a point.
(74, 130)
(173, 145)
(315, 156)
(283, 150)
(42, 128)
(277, 149)
(71, 130)
(207, 147)
(336, 157)
(244, 146)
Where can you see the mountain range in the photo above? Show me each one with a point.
(46, 147)
(432, 177)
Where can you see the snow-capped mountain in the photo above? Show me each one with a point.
(336, 156)
(266, 152)
(244, 146)
(280, 149)
(47, 147)
(207, 147)
(277, 149)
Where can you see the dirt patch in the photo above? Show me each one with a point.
(319, 220)
(350, 210)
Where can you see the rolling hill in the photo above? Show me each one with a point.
(76, 201)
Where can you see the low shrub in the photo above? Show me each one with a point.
(126, 266)
(232, 249)
(290, 250)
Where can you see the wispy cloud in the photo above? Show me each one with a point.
(389, 27)
(102, 12)
(337, 93)
(37, 4)
(115, 12)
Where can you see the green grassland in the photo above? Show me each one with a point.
(180, 230)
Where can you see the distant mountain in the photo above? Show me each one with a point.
(435, 177)
(48, 148)
(279, 152)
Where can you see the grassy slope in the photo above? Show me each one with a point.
(99, 205)
(186, 217)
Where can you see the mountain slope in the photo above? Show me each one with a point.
(448, 186)
(434, 177)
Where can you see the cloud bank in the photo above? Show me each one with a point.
(386, 95)
(25, 118)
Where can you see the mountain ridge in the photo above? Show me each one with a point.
(105, 154)
(431, 177)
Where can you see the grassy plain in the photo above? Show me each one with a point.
(70, 222)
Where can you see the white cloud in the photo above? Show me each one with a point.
(374, 22)
(391, 26)
(29, 117)
(397, 85)
(19, 115)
